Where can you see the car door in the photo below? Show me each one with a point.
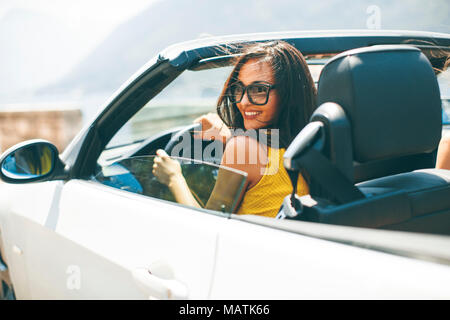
(83, 239)
(94, 240)
(257, 260)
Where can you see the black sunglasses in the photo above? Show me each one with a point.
(257, 92)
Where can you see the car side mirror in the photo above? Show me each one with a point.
(30, 161)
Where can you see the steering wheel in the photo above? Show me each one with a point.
(176, 138)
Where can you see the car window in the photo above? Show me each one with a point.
(135, 175)
(189, 96)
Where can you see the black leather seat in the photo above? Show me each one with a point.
(381, 112)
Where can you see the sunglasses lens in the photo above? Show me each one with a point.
(237, 91)
(258, 93)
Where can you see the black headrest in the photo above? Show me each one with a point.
(390, 95)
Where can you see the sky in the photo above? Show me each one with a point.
(81, 25)
(93, 19)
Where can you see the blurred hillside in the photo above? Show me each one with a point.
(38, 53)
(171, 21)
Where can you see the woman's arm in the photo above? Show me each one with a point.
(239, 155)
(443, 155)
(168, 172)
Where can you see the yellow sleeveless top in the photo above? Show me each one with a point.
(265, 198)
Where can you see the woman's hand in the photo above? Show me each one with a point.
(213, 128)
(165, 169)
(168, 172)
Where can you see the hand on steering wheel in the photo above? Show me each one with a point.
(166, 169)
(213, 128)
(175, 139)
(208, 127)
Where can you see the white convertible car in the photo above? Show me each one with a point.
(94, 223)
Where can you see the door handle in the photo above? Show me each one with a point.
(157, 287)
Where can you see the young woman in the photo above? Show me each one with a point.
(270, 92)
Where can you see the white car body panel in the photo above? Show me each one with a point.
(275, 264)
(116, 234)
(111, 236)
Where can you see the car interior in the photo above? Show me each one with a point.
(369, 149)
(379, 123)
(379, 119)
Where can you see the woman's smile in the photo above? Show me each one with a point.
(249, 115)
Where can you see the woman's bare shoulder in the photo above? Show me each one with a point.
(239, 146)
(446, 138)
(443, 155)
(246, 154)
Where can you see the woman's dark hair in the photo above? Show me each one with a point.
(294, 85)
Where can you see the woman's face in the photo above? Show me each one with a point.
(258, 116)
